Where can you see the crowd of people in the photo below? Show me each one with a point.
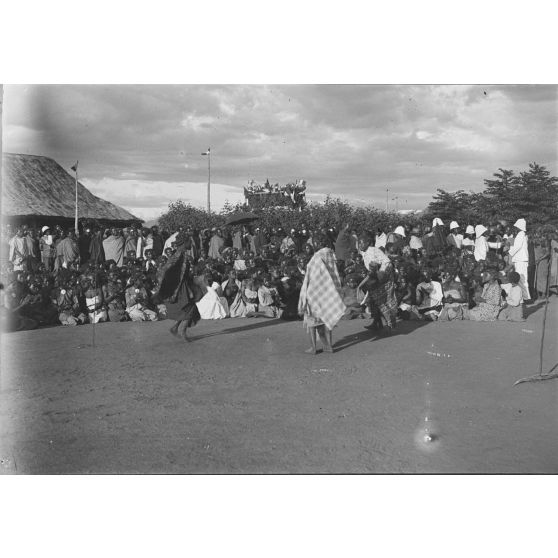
(440, 272)
(294, 192)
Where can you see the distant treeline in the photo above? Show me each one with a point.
(532, 194)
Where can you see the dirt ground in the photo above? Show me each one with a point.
(243, 397)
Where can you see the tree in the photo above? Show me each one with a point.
(532, 194)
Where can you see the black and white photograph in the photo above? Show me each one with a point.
(243, 279)
(288, 279)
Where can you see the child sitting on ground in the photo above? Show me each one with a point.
(513, 311)
(352, 298)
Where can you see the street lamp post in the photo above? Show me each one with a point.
(208, 153)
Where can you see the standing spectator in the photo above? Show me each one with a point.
(157, 242)
(216, 245)
(381, 238)
(259, 241)
(96, 249)
(237, 240)
(455, 238)
(19, 251)
(84, 244)
(397, 239)
(113, 246)
(130, 240)
(468, 242)
(481, 245)
(34, 256)
(343, 246)
(46, 246)
(519, 253)
(66, 251)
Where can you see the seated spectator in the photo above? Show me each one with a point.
(137, 302)
(114, 298)
(232, 291)
(513, 310)
(404, 297)
(269, 302)
(352, 298)
(213, 306)
(490, 302)
(429, 297)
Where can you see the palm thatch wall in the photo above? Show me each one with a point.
(38, 187)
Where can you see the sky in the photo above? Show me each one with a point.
(140, 146)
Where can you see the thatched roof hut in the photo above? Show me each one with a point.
(36, 188)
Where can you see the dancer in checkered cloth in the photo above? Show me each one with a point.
(321, 300)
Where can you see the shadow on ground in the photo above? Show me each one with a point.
(402, 328)
(268, 322)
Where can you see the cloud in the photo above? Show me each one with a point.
(347, 140)
(150, 199)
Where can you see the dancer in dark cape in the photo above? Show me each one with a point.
(180, 290)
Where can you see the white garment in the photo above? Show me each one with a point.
(521, 268)
(514, 295)
(169, 241)
(458, 238)
(434, 297)
(481, 248)
(381, 240)
(95, 316)
(212, 306)
(415, 243)
(375, 255)
(467, 242)
(519, 251)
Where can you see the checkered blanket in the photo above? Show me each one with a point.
(320, 295)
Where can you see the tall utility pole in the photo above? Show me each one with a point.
(387, 199)
(75, 169)
(208, 153)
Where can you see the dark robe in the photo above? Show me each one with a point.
(83, 244)
(96, 250)
(180, 290)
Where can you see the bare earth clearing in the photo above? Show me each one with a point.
(244, 398)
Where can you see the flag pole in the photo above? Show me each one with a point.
(208, 180)
(76, 218)
(208, 154)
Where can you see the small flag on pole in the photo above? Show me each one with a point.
(207, 152)
(75, 167)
